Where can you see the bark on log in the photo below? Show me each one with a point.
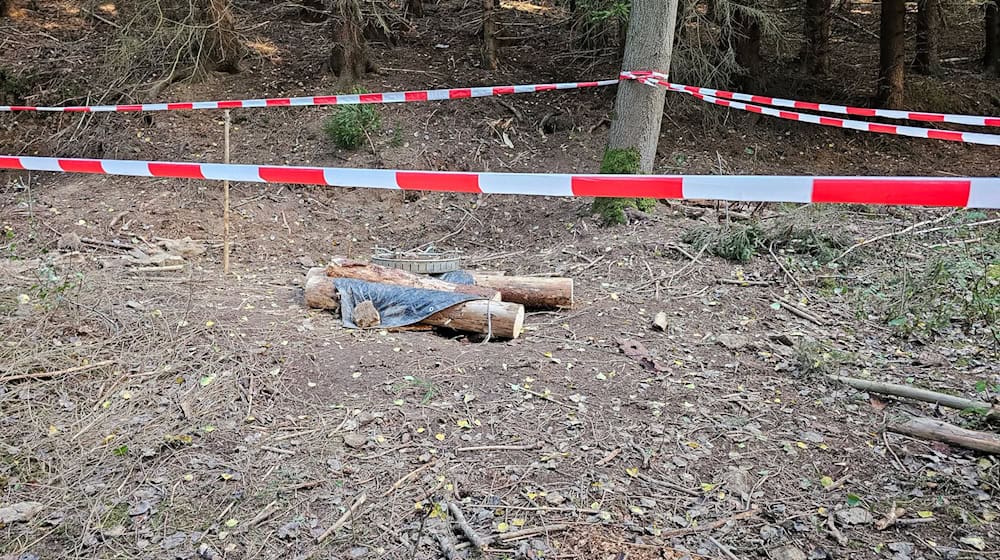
(341, 267)
(992, 412)
(320, 293)
(935, 430)
(497, 318)
(532, 292)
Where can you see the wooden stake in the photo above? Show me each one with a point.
(225, 203)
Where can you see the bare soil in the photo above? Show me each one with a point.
(231, 422)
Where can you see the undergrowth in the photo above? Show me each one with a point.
(741, 242)
(349, 125)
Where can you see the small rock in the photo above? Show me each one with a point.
(69, 242)
(902, 550)
(140, 508)
(173, 541)
(811, 437)
(358, 552)
(289, 531)
(733, 341)
(207, 552)
(855, 516)
(660, 321)
(366, 417)
(306, 261)
(19, 512)
(787, 552)
(771, 533)
(975, 542)
(366, 316)
(186, 248)
(355, 440)
(113, 532)
(554, 498)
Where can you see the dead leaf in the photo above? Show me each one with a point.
(636, 351)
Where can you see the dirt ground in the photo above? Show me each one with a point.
(220, 418)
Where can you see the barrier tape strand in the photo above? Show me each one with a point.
(969, 192)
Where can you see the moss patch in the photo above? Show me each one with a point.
(612, 210)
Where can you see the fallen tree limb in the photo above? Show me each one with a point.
(459, 519)
(707, 526)
(341, 267)
(48, 374)
(935, 430)
(991, 412)
(532, 291)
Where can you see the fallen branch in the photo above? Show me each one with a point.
(525, 533)
(991, 412)
(360, 501)
(798, 311)
(891, 234)
(708, 526)
(499, 447)
(57, 373)
(935, 430)
(399, 483)
(459, 519)
(669, 485)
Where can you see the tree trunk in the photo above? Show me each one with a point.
(223, 49)
(490, 59)
(927, 60)
(745, 42)
(991, 57)
(816, 50)
(892, 54)
(638, 111)
(348, 56)
(414, 8)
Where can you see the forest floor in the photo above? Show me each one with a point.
(223, 419)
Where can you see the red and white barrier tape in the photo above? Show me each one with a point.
(347, 99)
(971, 120)
(879, 128)
(916, 191)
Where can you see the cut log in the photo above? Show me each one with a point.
(498, 319)
(991, 412)
(341, 267)
(535, 292)
(320, 292)
(935, 430)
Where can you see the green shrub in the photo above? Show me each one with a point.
(349, 125)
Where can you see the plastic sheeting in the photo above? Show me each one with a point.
(457, 277)
(397, 306)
